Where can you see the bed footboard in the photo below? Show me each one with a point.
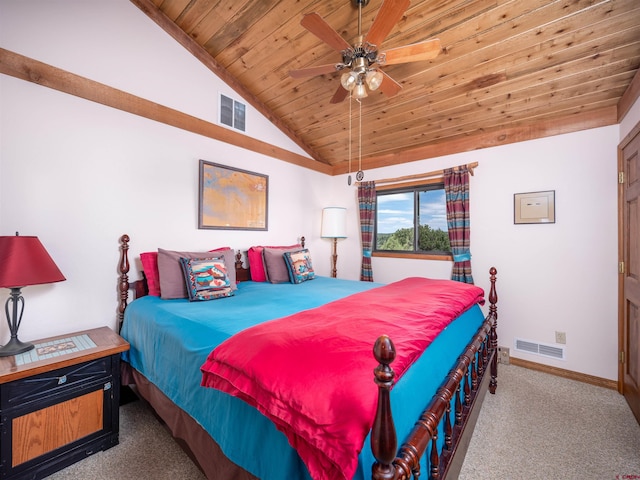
(475, 372)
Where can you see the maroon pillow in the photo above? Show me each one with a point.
(150, 267)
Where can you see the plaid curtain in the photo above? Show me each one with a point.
(367, 202)
(456, 187)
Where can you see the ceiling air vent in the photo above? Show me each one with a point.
(543, 349)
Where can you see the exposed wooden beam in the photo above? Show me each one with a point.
(631, 94)
(501, 136)
(31, 70)
(155, 14)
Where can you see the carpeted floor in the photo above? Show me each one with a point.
(537, 426)
(146, 452)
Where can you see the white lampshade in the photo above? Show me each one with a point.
(334, 222)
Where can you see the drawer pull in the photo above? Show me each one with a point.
(62, 379)
(107, 386)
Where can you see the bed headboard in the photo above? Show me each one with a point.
(141, 288)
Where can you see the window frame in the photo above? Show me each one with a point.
(435, 183)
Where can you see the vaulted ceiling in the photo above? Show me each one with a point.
(508, 70)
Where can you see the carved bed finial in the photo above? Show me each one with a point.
(384, 443)
(123, 284)
(493, 296)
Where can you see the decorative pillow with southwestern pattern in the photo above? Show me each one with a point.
(171, 277)
(206, 278)
(299, 266)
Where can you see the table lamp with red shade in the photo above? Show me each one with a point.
(23, 261)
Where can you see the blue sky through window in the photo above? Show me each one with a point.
(395, 211)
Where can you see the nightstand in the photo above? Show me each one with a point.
(59, 402)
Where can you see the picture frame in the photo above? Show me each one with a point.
(534, 207)
(231, 198)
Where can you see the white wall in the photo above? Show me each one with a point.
(79, 174)
(556, 277)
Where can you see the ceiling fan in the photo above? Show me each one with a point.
(360, 60)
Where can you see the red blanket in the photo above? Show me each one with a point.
(312, 373)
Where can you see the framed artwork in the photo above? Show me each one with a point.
(534, 207)
(231, 198)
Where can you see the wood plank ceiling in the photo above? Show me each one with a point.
(508, 70)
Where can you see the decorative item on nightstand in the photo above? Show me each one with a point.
(23, 261)
(334, 225)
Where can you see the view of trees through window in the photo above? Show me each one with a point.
(404, 216)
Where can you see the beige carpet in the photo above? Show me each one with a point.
(537, 426)
(146, 452)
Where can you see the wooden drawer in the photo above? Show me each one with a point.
(20, 394)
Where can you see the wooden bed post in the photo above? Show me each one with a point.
(493, 334)
(384, 443)
(123, 284)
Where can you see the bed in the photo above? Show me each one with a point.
(197, 364)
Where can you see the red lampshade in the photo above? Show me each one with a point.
(24, 261)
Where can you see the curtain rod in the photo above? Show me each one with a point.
(435, 173)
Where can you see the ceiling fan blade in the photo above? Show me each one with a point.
(313, 71)
(416, 52)
(340, 95)
(321, 29)
(389, 14)
(389, 86)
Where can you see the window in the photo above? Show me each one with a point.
(412, 220)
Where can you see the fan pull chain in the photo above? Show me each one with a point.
(349, 177)
(360, 174)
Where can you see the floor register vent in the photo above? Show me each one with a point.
(544, 349)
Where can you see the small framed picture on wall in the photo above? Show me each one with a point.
(534, 207)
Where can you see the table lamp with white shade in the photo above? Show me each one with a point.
(334, 226)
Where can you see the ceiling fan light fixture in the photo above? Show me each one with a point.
(360, 91)
(348, 81)
(373, 79)
(362, 56)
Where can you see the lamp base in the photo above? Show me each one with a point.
(14, 347)
(334, 258)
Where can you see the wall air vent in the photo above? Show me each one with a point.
(233, 113)
(543, 349)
